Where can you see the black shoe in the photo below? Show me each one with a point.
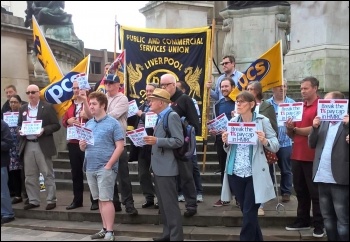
(298, 225)
(189, 213)
(5, 220)
(30, 206)
(26, 202)
(161, 239)
(50, 206)
(94, 206)
(74, 206)
(16, 200)
(156, 206)
(117, 207)
(147, 204)
(131, 210)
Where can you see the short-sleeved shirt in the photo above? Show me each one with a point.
(301, 150)
(106, 132)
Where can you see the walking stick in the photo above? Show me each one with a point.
(279, 206)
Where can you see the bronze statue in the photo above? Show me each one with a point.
(47, 13)
(253, 4)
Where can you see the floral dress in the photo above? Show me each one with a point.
(15, 163)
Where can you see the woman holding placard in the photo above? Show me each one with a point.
(247, 172)
(15, 167)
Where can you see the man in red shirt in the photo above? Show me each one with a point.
(302, 161)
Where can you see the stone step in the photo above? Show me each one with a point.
(207, 215)
(207, 177)
(148, 231)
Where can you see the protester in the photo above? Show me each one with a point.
(10, 91)
(264, 108)
(37, 150)
(118, 106)
(223, 106)
(102, 160)
(229, 67)
(247, 170)
(76, 115)
(331, 172)
(7, 214)
(16, 166)
(144, 153)
(165, 165)
(183, 105)
(105, 73)
(302, 162)
(285, 151)
(196, 173)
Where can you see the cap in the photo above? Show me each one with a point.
(161, 94)
(112, 78)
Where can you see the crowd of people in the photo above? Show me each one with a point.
(313, 155)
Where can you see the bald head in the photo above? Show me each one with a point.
(167, 82)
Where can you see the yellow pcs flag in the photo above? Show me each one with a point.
(44, 54)
(268, 70)
(60, 92)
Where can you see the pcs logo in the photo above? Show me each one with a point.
(61, 91)
(255, 72)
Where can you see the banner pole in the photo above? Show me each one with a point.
(115, 37)
(205, 140)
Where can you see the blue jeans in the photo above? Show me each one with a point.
(6, 205)
(334, 204)
(196, 178)
(285, 165)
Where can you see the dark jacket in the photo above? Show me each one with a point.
(6, 144)
(266, 109)
(183, 105)
(340, 151)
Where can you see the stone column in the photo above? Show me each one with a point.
(252, 30)
(319, 43)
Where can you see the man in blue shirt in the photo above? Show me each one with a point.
(229, 67)
(285, 151)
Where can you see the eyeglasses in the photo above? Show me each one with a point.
(75, 88)
(31, 92)
(13, 102)
(250, 89)
(241, 102)
(165, 85)
(225, 63)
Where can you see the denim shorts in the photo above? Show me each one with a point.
(101, 184)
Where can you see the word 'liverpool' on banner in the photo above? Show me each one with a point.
(150, 53)
(268, 70)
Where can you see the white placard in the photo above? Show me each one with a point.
(221, 123)
(136, 136)
(132, 108)
(151, 120)
(332, 109)
(83, 82)
(31, 127)
(84, 134)
(292, 111)
(11, 118)
(242, 133)
(72, 133)
(211, 124)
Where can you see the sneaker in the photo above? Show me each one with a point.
(297, 225)
(220, 203)
(99, 235)
(109, 236)
(318, 232)
(181, 198)
(285, 198)
(5, 220)
(261, 212)
(199, 198)
(131, 210)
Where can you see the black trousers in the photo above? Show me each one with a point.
(15, 179)
(76, 158)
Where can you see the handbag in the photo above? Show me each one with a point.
(270, 156)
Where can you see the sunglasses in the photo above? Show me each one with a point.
(31, 92)
(225, 63)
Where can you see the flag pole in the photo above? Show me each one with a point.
(115, 37)
(205, 140)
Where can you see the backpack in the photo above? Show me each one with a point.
(187, 149)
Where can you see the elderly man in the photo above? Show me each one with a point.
(38, 149)
(165, 165)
